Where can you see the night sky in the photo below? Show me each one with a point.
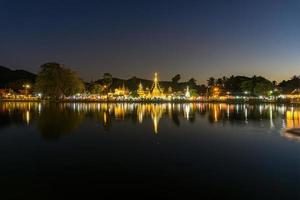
(136, 38)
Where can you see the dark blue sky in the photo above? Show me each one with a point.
(194, 38)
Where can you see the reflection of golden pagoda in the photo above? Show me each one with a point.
(215, 112)
(156, 114)
(155, 90)
(141, 112)
(119, 111)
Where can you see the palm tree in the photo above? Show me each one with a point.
(211, 82)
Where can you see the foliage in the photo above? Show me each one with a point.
(192, 83)
(176, 78)
(56, 81)
(234, 83)
(211, 82)
(134, 94)
(248, 86)
(257, 85)
(56, 121)
(95, 88)
(290, 85)
(107, 79)
(194, 93)
(219, 82)
(202, 89)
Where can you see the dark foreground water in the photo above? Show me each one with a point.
(209, 150)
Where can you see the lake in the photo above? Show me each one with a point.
(211, 150)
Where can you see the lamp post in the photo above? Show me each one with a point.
(105, 89)
(228, 93)
(27, 87)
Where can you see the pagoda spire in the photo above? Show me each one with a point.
(187, 93)
(156, 91)
(140, 90)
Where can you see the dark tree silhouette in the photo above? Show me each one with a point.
(176, 78)
(56, 81)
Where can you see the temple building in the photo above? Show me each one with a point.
(121, 91)
(294, 96)
(156, 91)
(140, 91)
(187, 92)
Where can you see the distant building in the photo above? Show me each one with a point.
(187, 92)
(121, 91)
(3, 92)
(156, 91)
(140, 91)
(294, 96)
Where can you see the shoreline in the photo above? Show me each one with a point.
(286, 102)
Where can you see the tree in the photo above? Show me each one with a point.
(107, 79)
(263, 88)
(202, 89)
(219, 82)
(55, 122)
(257, 85)
(224, 80)
(211, 82)
(95, 88)
(290, 85)
(248, 86)
(176, 78)
(194, 93)
(192, 83)
(56, 81)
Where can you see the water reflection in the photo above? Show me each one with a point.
(56, 120)
(12, 113)
(292, 118)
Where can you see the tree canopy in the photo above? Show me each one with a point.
(56, 81)
(95, 88)
(176, 78)
(290, 85)
(211, 82)
(107, 79)
(192, 83)
(257, 85)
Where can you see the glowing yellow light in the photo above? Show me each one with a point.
(104, 118)
(27, 117)
(292, 118)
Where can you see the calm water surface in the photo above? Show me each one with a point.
(210, 150)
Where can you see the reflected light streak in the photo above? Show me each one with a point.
(27, 116)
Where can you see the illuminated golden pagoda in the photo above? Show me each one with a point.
(121, 91)
(155, 90)
(140, 90)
